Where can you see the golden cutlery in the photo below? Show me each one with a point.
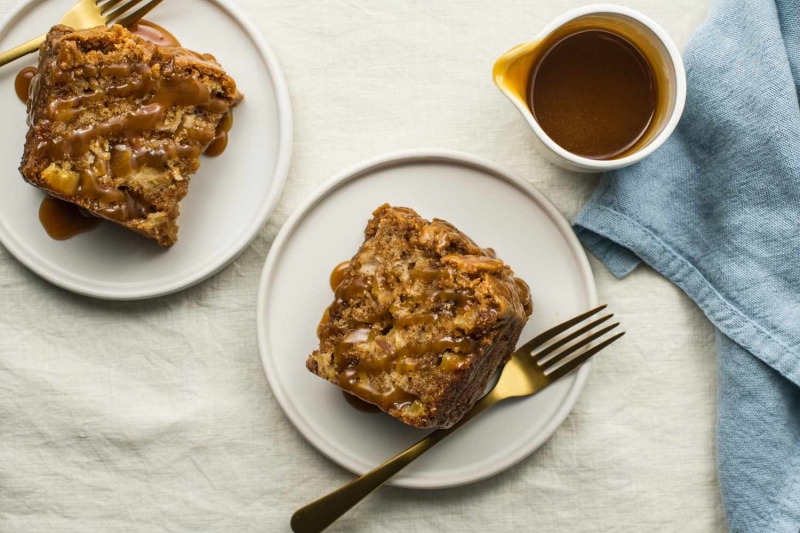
(88, 14)
(525, 374)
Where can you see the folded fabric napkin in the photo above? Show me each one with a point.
(717, 211)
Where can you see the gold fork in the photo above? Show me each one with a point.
(88, 14)
(524, 375)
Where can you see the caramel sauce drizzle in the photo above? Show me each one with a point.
(355, 382)
(345, 292)
(354, 379)
(408, 356)
(348, 290)
(351, 338)
(427, 273)
(220, 141)
(524, 289)
(154, 33)
(161, 93)
(338, 273)
(115, 204)
(354, 375)
(125, 161)
(22, 83)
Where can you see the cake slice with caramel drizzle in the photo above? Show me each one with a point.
(422, 318)
(117, 124)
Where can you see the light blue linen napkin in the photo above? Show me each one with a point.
(717, 211)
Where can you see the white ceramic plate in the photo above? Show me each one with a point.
(230, 197)
(496, 210)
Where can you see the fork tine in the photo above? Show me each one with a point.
(111, 14)
(565, 369)
(572, 336)
(559, 329)
(139, 13)
(107, 5)
(116, 15)
(577, 346)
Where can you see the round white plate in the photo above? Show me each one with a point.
(493, 207)
(230, 197)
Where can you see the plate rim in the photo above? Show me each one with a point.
(180, 281)
(359, 170)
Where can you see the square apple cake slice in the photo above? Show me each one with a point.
(421, 319)
(117, 124)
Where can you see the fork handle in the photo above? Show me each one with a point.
(21, 50)
(321, 513)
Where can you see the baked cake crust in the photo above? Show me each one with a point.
(421, 320)
(117, 124)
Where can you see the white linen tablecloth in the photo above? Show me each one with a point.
(155, 416)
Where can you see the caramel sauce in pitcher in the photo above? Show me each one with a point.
(594, 93)
(598, 86)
